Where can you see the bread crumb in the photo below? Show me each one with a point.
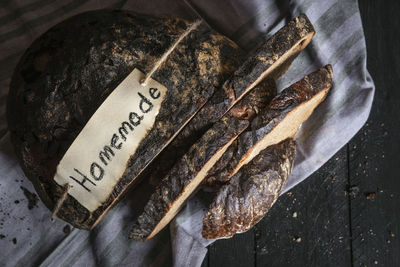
(294, 214)
(31, 197)
(67, 229)
(371, 195)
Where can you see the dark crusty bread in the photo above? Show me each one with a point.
(69, 71)
(250, 193)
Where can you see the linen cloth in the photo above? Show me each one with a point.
(29, 237)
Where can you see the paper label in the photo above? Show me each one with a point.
(97, 158)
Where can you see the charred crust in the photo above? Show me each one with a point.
(269, 52)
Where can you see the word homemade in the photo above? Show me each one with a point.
(97, 158)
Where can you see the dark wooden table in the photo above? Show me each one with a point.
(347, 213)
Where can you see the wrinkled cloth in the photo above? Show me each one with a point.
(29, 237)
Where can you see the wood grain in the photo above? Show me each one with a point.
(238, 251)
(374, 161)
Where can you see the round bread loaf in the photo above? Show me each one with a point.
(66, 74)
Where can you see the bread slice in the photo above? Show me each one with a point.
(269, 61)
(284, 115)
(272, 58)
(250, 193)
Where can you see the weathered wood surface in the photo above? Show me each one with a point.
(339, 221)
(374, 161)
(232, 252)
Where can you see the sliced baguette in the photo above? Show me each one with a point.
(264, 160)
